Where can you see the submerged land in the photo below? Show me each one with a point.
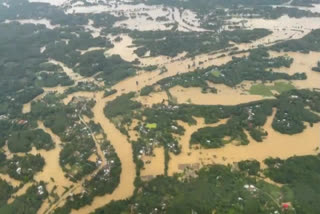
(158, 106)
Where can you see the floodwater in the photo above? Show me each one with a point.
(52, 2)
(10, 180)
(95, 32)
(176, 66)
(52, 172)
(133, 134)
(153, 98)
(124, 150)
(86, 94)
(91, 49)
(123, 48)
(283, 28)
(314, 9)
(302, 63)
(153, 165)
(20, 192)
(144, 17)
(275, 145)
(69, 72)
(26, 108)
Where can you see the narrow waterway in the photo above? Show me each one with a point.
(124, 151)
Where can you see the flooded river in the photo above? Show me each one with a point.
(124, 151)
(275, 145)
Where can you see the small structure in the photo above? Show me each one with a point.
(286, 206)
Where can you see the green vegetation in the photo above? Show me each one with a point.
(292, 111)
(186, 80)
(121, 105)
(252, 167)
(301, 176)
(24, 140)
(110, 92)
(103, 182)
(216, 73)
(171, 43)
(29, 203)
(257, 66)
(266, 90)
(222, 190)
(111, 69)
(5, 193)
(25, 69)
(151, 125)
(3, 157)
(65, 121)
(317, 69)
(145, 91)
(305, 3)
(291, 114)
(52, 75)
(213, 137)
(27, 55)
(215, 189)
(83, 86)
(23, 168)
(150, 68)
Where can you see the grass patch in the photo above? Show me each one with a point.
(261, 89)
(283, 87)
(216, 73)
(151, 125)
(266, 90)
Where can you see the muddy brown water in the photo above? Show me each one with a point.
(286, 146)
(275, 145)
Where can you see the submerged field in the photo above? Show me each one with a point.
(159, 106)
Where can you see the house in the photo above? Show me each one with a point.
(3, 117)
(22, 122)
